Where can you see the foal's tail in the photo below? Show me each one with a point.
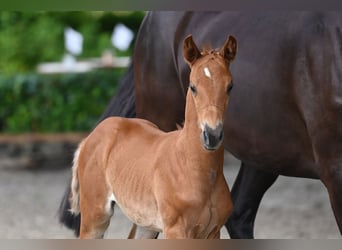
(75, 188)
(123, 104)
(69, 210)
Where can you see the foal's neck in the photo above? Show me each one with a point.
(191, 127)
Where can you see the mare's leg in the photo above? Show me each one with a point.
(332, 179)
(247, 192)
(142, 233)
(327, 144)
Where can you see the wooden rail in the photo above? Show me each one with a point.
(105, 61)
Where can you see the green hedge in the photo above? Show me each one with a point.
(29, 38)
(55, 103)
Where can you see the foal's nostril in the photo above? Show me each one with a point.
(212, 138)
(205, 135)
(221, 135)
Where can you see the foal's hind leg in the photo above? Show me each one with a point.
(96, 209)
(142, 233)
(95, 218)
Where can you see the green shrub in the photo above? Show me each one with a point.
(55, 103)
(29, 38)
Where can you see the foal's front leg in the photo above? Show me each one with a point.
(138, 232)
(214, 234)
(175, 232)
(181, 230)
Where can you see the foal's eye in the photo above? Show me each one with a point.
(230, 87)
(193, 89)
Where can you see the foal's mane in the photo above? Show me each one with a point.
(207, 49)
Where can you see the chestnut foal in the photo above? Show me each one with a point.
(163, 182)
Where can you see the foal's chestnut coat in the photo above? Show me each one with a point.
(164, 182)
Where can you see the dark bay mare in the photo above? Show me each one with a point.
(285, 112)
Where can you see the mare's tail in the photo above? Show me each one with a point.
(69, 210)
(123, 104)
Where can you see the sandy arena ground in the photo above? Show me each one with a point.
(292, 208)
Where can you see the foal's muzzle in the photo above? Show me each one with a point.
(212, 138)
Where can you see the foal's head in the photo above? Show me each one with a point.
(210, 86)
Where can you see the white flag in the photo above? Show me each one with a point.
(73, 41)
(122, 37)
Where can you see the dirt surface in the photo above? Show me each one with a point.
(292, 208)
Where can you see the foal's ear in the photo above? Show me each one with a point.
(190, 51)
(228, 51)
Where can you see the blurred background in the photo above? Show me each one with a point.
(54, 63)
(58, 71)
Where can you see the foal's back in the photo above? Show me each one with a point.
(118, 142)
(132, 135)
